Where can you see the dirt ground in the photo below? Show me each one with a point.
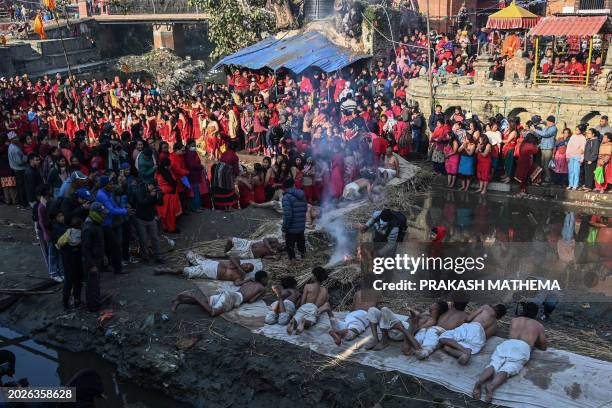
(228, 366)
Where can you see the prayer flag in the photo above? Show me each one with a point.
(39, 27)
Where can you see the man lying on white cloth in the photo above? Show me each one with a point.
(510, 356)
(420, 331)
(471, 336)
(356, 321)
(249, 249)
(287, 295)
(225, 300)
(233, 269)
(354, 189)
(314, 300)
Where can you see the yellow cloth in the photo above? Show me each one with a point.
(39, 27)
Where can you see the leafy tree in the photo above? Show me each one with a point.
(235, 24)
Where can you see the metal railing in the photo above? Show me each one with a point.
(564, 79)
(127, 7)
(591, 4)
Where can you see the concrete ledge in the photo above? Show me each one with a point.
(555, 193)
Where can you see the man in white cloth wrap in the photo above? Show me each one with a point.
(314, 300)
(249, 249)
(287, 295)
(510, 356)
(224, 301)
(471, 336)
(233, 269)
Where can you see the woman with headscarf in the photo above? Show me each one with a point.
(171, 208)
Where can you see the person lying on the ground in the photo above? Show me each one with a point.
(451, 319)
(391, 169)
(422, 327)
(391, 327)
(511, 355)
(314, 300)
(226, 300)
(233, 269)
(354, 190)
(471, 336)
(249, 249)
(356, 321)
(287, 295)
(277, 205)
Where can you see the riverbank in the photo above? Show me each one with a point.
(227, 366)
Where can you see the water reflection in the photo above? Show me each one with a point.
(45, 366)
(523, 239)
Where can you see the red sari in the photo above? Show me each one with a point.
(337, 176)
(171, 208)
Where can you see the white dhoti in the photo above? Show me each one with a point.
(308, 312)
(429, 339)
(510, 356)
(205, 268)
(225, 301)
(386, 319)
(355, 322)
(282, 318)
(351, 191)
(387, 173)
(241, 248)
(468, 335)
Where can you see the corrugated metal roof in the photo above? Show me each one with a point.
(295, 53)
(571, 25)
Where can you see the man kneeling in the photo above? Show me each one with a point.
(313, 302)
(287, 296)
(471, 336)
(510, 356)
(233, 270)
(226, 300)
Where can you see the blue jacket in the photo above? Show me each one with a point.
(106, 199)
(294, 211)
(547, 137)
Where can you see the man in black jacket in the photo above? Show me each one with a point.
(77, 205)
(92, 250)
(294, 219)
(32, 178)
(144, 199)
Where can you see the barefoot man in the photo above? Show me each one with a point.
(233, 269)
(287, 297)
(313, 302)
(354, 189)
(223, 302)
(248, 249)
(471, 336)
(391, 169)
(510, 356)
(453, 318)
(422, 327)
(356, 321)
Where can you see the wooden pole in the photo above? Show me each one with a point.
(535, 71)
(588, 73)
(59, 29)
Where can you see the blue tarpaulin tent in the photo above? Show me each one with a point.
(295, 53)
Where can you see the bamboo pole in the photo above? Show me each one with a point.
(535, 74)
(59, 29)
(588, 73)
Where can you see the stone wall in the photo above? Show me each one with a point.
(571, 105)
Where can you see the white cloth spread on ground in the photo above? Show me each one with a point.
(241, 248)
(355, 322)
(225, 301)
(552, 378)
(469, 335)
(282, 318)
(308, 312)
(510, 356)
(351, 191)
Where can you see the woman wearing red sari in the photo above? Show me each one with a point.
(525, 166)
(171, 208)
(483, 163)
(337, 175)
